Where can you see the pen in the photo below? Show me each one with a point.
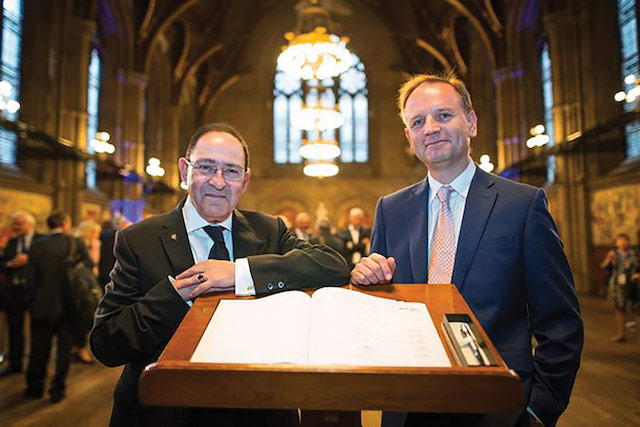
(464, 330)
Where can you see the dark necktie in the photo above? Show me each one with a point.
(219, 249)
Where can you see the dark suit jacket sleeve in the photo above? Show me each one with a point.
(554, 314)
(295, 264)
(377, 234)
(9, 253)
(131, 324)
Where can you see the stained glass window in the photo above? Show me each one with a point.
(349, 91)
(10, 72)
(628, 23)
(93, 100)
(547, 104)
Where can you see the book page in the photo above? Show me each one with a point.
(273, 329)
(352, 328)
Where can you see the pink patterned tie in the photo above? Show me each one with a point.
(443, 248)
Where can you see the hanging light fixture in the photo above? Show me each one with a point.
(319, 149)
(312, 52)
(320, 168)
(317, 117)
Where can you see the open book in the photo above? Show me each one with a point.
(334, 326)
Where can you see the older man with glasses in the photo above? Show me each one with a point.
(204, 245)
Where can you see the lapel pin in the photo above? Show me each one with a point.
(174, 237)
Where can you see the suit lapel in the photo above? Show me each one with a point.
(416, 217)
(480, 202)
(245, 239)
(175, 241)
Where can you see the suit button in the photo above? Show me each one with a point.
(270, 286)
(280, 285)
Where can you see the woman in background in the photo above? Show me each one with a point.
(89, 232)
(623, 282)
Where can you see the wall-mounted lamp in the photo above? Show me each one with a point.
(6, 103)
(485, 163)
(538, 137)
(153, 168)
(633, 93)
(101, 143)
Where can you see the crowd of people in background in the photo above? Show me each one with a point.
(32, 282)
(352, 241)
(31, 286)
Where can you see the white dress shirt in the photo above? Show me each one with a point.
(201, 244)
(457, 202)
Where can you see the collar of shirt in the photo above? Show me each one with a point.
(461, 184)
(193, 221)
(199, 240)
(28, 238)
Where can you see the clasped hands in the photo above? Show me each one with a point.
(373, 270)
(211, 275)
(20, 260)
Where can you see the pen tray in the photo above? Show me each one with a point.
(463, 345)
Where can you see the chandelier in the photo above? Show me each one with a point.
(319, 149)
(317, 118)
(320, 168)
(312, 52)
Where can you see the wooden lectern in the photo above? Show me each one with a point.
(174, 381)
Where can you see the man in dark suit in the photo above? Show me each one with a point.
(204, 245)
(491, 237)
(51, 308)
(14, 265)
(355, 236)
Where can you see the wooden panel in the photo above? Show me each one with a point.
(173, 380)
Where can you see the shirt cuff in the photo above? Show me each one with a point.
(244, 281)
(533, 414)
(171, 280)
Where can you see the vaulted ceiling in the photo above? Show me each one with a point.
(205, 38)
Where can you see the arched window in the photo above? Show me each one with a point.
(628, 24)
(547, 104)
(349, 90)
(93, 101)
(10, 72)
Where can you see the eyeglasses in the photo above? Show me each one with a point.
(209, 169)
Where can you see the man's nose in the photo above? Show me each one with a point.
(431, 126)
(217, 180)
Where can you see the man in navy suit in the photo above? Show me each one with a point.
(503, 248)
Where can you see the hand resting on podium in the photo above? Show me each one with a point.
(373, 270)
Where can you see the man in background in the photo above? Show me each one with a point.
(355, 236)
(51, 306)
(14, 265)
(303, 226)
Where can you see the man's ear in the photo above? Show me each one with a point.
(183, 167)
(407, 134)
(472, 124)
(245, 181)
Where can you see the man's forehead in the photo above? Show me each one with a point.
(435, 94)
(217, 141)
